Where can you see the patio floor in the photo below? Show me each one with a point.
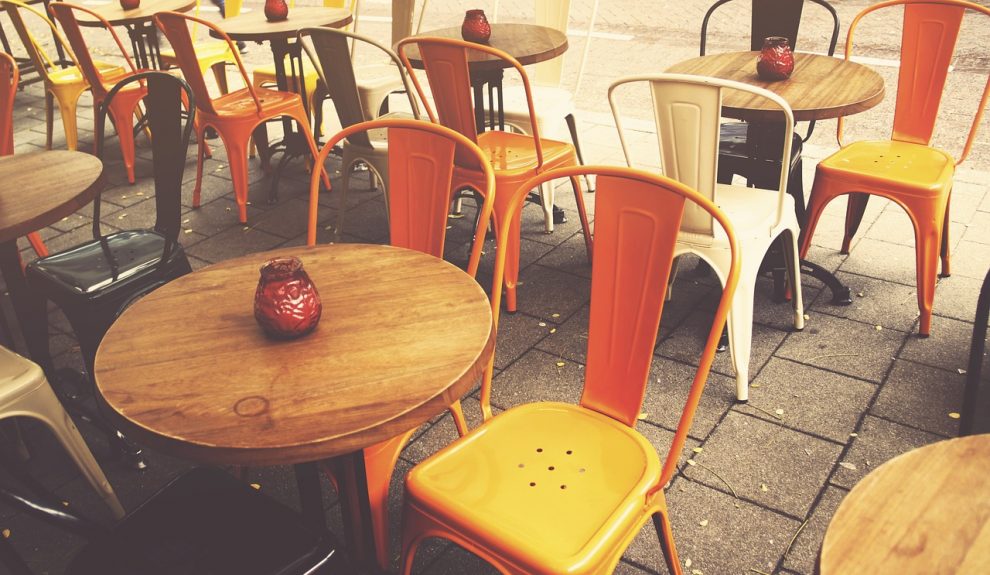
(827, 404)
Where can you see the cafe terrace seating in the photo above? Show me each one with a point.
(854, 398)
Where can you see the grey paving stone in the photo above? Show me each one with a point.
(436, 435)
(947, 348)
(287, 220)
(971, 259)
(543, 292)
(813, 400)
(519, 332)
(571, 256)
(737, 537)
(455, 561)
(667, 391)
(893, 226)
(233, 242)
(978, 230)
(803, 555)
(877, 441)
(882, 260)
(922, 397)
(750, 454)
(842, 345)
(888, 304)
(537, 377)
(570, 341)
(956, 296)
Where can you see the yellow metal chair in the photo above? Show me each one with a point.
(906, 169)
(211, 54)
(62, 85)
(560, 488)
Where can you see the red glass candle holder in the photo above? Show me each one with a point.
(775, 62)
(286, 303)
(276, 10)
(476, 27)
(130, 4)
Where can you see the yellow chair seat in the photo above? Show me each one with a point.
(208, 53)
(541, 480)
(902, 166)
(514, 154)
(266, 75)
(72, 75)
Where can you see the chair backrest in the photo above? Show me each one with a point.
(447, 65)
(687, 110)
(976, 398)
(36, 52)
(168, 145)
(420, 165)
(64, 12)
(774, 18)
(552, 14)
(331, 59)
(928, 42)
(637, 217)
(9, 76)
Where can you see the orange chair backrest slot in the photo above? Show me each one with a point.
(927, 44)
(64, 12)
(10, 76)
(635, 234)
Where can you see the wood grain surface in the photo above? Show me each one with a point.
(926, 511)
(820, 87)
(189, 371)
(143, 13)
(527, 43)
(253, 27)
(40, 188)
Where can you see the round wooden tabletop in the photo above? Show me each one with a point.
(254, 27)
(188, 370)
(40, 188)
(527, 43)
(117, 16)
(926, 511)
(820, 87)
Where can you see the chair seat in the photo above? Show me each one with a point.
(240, 103)
(877, 165)
(208, 53)
(18, 375)
(541, 479)
(751, 210)
(514, 154)
(207, 522)
(85, 271)
(72, 75)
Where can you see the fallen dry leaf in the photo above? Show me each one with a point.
(848, 466)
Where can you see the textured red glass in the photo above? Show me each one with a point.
(286, 303)
(476, 27)
(130, 4)
(775, 62)
(276, 10)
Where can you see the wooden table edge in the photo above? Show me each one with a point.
(487, 65)
(85, 19)
(267, 36)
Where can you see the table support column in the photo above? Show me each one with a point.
(29, 309)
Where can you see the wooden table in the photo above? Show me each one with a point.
(254, 27)
(39, 189)
(188, 370)
(140, 26)
(925, 511)
(527, 43)
(820, 87)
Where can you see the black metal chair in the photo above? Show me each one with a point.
(205, 522)
(94, 282)
(976, 398)
(753, 150)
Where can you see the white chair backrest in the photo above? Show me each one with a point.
(687, 110)
(552, 14)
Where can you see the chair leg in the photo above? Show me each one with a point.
(303, 121)
(820, 197)
(854, 216)
(946, 223)
(795, 187)
(666, 535)
(39, 247)
(237, 158)
(583, 216)
(345, 184)
(740, 322)
(200, 153)
(546, 200)
(49, 118)
(379, 463)
(572, 128)
(928, 245)
(794, 276)
(122, 120)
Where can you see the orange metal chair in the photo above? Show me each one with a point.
(9, 72)
(235, 115)
(559, 488)
(124, 107)
(211, 54)
(514, 157)
(421, 164)
(906, 168)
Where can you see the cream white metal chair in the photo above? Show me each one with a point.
(687, 112)
(25, 392)
(327, 50)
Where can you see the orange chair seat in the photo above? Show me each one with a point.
(542, 479)
(883, 165)
(513, 155)
(240, 103)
